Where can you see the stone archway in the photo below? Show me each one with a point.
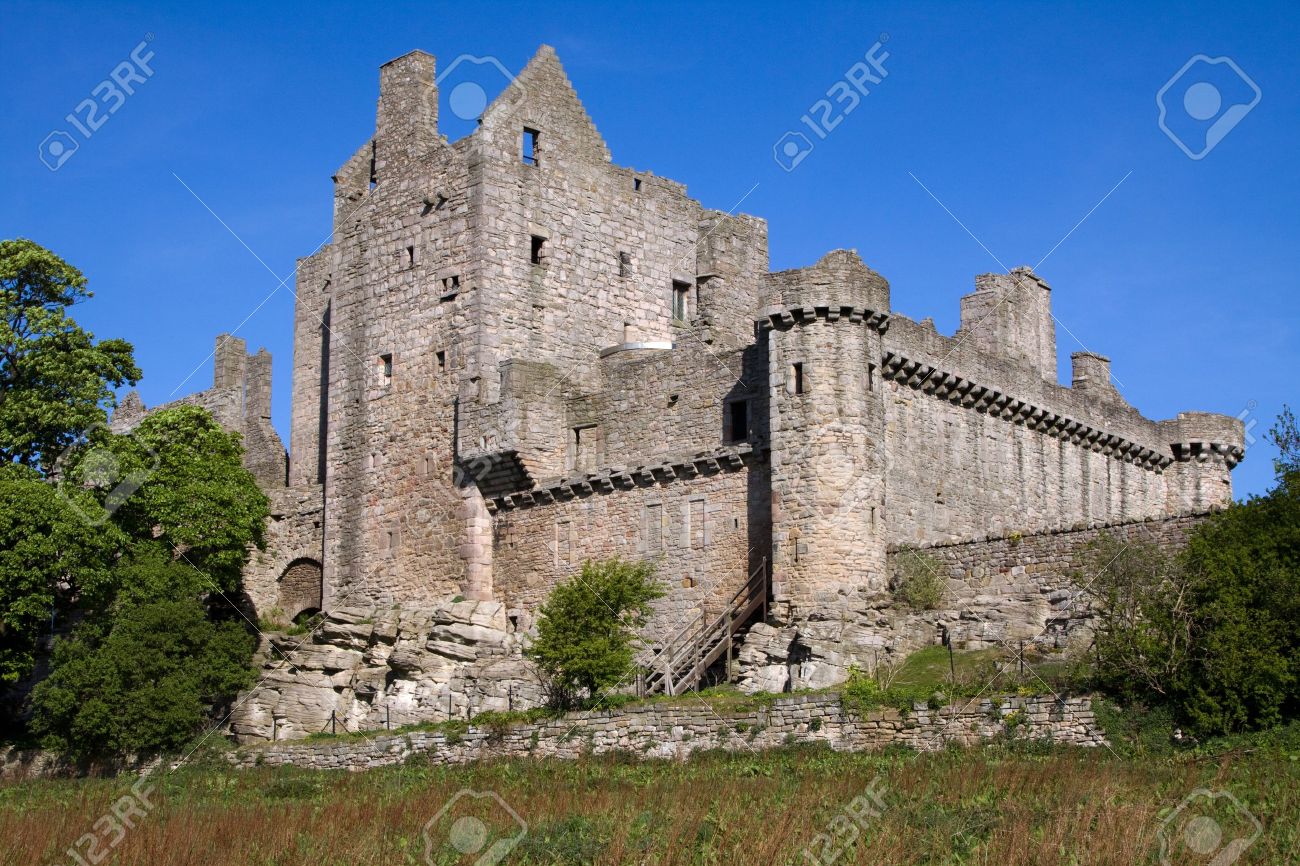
(300, 588)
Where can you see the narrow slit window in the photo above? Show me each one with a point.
(681, 300)
(796, 378)
(442, 360)
(737, 420)
(530, 142)
(871, 377)
(410, 256)
(537, 249)
(636, 184)
(386, 368)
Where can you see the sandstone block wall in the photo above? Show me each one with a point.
(676, 732)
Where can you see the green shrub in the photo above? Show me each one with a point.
(919, 581)
(587, 631)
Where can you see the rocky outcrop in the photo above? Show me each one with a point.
(365, 669)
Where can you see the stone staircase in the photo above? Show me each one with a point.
(685, 657)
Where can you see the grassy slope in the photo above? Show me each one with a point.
(1008, 806)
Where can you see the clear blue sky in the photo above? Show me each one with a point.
(1019, 118)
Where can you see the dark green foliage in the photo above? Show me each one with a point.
(587, 629)
(142, 685)
(1211, 637)
(920, 580)
(1245, 564)
(194, 499)
(54, 378)
(48, 555)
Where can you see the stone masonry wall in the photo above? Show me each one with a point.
(675, 732)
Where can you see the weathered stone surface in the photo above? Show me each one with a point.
(675, 732)
(372, 668)
(511, 359)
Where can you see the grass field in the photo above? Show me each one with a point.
(1003, 805)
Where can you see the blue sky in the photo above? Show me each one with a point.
(1034, 124)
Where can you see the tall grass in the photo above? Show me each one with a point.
(1011, 806)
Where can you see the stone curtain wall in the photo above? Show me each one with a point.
(1024, 588)
(675, 732)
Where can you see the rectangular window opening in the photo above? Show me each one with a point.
(681, 300)
(738, 421)
(410, 256)
(386, 367)
(636, 184)
(871, 377)
(530, 142)
(442, 360)
(796, 381)
(538, 249)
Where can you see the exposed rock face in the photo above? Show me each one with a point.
(371, 667)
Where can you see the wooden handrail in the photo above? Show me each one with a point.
(678, 665)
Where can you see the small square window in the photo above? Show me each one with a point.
(530, 141)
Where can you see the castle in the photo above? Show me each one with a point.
(515, 356)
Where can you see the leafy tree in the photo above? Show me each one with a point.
(587, 631)
(1286, 436)
(1140, 597)
(48, 556)
(189, 492)
(1245, 563)
(146, 683)
(54, 378)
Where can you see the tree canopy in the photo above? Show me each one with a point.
(55, 380)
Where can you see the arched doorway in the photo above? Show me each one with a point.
(300, 588)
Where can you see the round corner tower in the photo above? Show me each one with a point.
(827, 432)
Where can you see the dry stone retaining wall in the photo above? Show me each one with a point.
(676, 732)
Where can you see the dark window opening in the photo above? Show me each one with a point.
(531, 139)
(410, 255)
(871, 377)
(624, 264)
(386, 366)
(538, 249)
(681, 300)
(636, 184)
(797, 378)
(442, 360)
(737, 421)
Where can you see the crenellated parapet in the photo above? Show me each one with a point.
(958, 390)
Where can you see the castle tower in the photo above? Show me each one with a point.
(827, 432)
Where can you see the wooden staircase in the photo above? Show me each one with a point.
(688, 655)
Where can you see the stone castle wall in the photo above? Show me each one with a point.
(514, 355)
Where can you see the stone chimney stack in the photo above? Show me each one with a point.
(406, 127)
(1091, 372)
